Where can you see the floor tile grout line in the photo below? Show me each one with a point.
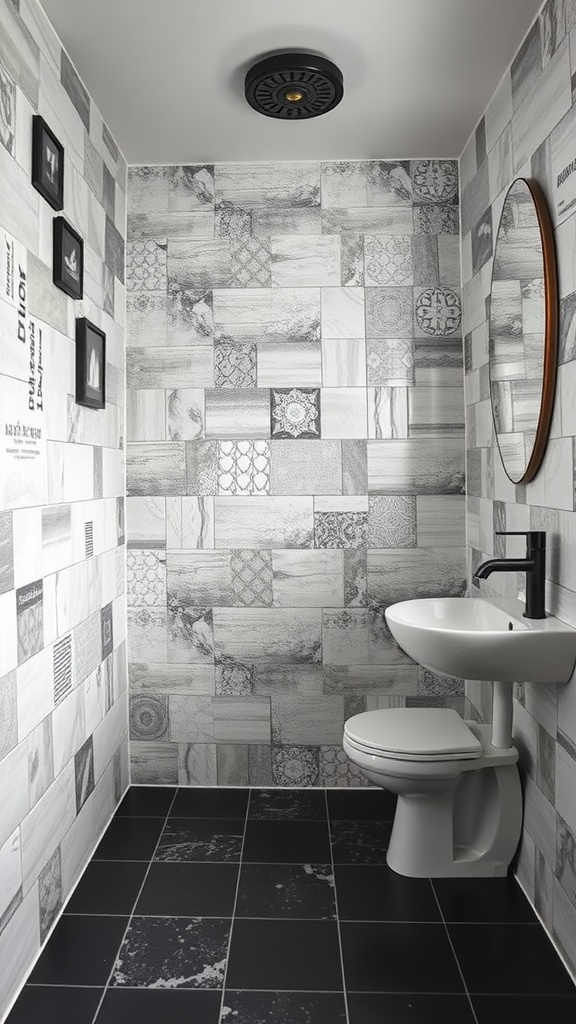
(320, 991)
(337, 914)
(147, 872)
(246, 819)
(449, 937)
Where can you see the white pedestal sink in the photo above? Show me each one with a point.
(476, 638)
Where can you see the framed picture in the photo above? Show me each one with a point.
(47, 163)
(68, 265)
(90, 364)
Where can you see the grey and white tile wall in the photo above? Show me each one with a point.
(295, 457)
(63, 684)
(528, 130)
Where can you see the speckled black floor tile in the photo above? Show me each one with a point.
(193, 839)
(286, 890)
(509, 958)
(108, 887)
(146, 1006)
(50, 1003)
(524, 1009)
(217, 802)
(288, 804)
(360, 842)
(290, 842)
(129, 839)
(372, 1008)
(357, 804)
(368, 892)
(284, 1007)
(398, 958)
(81, 951)
(168, 952)
(294, 955)
(189, 890)
(146, 801)
(483, 899)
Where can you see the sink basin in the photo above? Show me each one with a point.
(476, 638)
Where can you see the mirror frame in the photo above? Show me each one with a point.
(550, 331)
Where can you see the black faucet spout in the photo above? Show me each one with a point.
(534, 565)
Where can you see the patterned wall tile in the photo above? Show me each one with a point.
(389, 313)
(252, 577)
(435, 181)
(305, 467)
(148, 717)
(388, 260)
(146, 265)
(437, 312)
(340, 529)
(185, 414)
(295, 765)
(390, 361)
(243, 467)
(234, 365)
(146, 577)
(295, 413)
(392, 522)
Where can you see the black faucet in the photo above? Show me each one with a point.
(534, 565)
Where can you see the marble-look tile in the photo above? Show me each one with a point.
(196, 764)
(345, 639)
(343, 362)
(11, 890)
(50, 893)
(199, 263)
(360, 842)
(305, 467)
(241, 719)
(304, 578)
(366, 183)
(190, 187)
(190, 636)
(351, 260)
(438, 361)
(429, 258)
(171, 224)
(289, 365)
(189, 522)
(185, 414)
(172, 953)
(526, 67)
(199, 578)
(201, 839)
(354, 467)
(268, 185)
(305, 261)
(238, 412)
(416, 466)
(8, 114)
(344, 413)
(436, 412)
(187, 319)
(154, 763)
(156, 469)
(400, 575)
(436, 220)
(271, 522)
(6, 552)
(343, 313)
(391, 220)
(286, 891)
(68, 728)
(388, 412)
(260, 635)
(145, 415)
(549, 99)
(440, 520)
(355, 577)
(145, 319)
(170, 367)
(147, 522)
(253, 315)
(8, 714)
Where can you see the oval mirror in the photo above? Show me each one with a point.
(523, 330)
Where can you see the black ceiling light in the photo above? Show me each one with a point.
(294, 86)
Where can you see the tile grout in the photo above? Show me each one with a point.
(449, 937)
(227, 961)
(346, 1009)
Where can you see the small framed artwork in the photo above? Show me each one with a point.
(47, 163)
(90, 364)
(68, 265)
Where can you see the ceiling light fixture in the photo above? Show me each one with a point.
(294, 86)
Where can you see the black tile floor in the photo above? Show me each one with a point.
(212, 906)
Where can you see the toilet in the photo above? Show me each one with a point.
(459, 810)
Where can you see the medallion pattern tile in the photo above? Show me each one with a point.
(388, 261)
(435, 181)
(295, 412)
(438, 312)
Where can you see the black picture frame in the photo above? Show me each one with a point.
(68, 259)
(90, 364)
(47, 163)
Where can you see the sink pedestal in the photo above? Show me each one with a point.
(502, 703)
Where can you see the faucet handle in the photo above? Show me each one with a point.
(534, 538)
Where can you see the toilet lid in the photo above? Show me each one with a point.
(414, 732)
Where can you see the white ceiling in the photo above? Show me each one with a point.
(167, 75)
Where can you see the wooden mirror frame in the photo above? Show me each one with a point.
(550, 331)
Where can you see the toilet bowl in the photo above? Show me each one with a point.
(459, 810)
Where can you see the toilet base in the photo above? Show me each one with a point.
(468, 828)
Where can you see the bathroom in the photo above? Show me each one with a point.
(258, 418)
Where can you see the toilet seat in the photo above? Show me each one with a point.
(413, 734)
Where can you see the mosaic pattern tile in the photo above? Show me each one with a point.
(438, 312)
(340, 529)
(392, 522)
(390, 361)
(250, 262)
(145, 265)
(234, 679)
(389, 313)
(252, 577)
(234, 365)
(243, 467)
(295, 766)
(388, 260)
(336, 769)
(295, 412)
(435, 181)
(146, 577)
